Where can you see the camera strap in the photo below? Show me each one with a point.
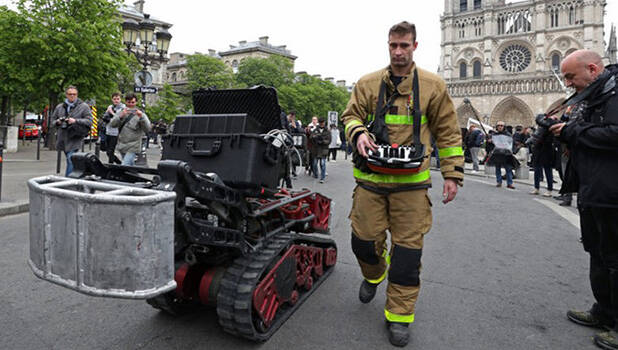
(124, 122)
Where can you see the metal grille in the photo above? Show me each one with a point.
(259, 103)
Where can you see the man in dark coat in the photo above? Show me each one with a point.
(320, 139)
(591, 135)
(73, 120)
(474, 140)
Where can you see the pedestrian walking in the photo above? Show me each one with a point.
(474, 141)
(335, 143)
(73, 120)
(398, 203)
(320, 139)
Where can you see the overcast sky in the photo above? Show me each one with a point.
(342, 39)
(335, 38)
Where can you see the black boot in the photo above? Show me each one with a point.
(607, 340)
(589, 319)
(367, 291)
(398, 333)
(565, 203)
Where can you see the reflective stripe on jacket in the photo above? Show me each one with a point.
(438, 119)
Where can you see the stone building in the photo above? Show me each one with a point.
(176, 68)
(504, 57)
(260, 49)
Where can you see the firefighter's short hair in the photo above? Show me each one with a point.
(403, 28)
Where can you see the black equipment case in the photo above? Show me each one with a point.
(228, 136)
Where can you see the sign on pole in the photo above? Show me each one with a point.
(333, 118)
(146, 89)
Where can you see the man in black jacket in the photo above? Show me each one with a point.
(592, 138)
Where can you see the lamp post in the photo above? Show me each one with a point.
(148, 47)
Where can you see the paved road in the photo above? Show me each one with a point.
(499, 272)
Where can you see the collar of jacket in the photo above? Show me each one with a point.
(405, 87)
(77, 103)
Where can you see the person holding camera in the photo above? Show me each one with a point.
(111, 133)
(591, 134)
(542, 148)
(132, 125)
(73, 120)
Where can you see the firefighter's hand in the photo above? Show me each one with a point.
(556, 129)
(71, 120)
(450, 190)
(363, 142)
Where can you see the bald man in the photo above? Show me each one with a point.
(592, 138)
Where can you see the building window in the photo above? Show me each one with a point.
(174, 76)
(477, 4)
(501, 24)
(235, 66)
(515, 58)
(462, 30)
(476, 69)
(553, 17)
(463, 5)
(463, 68)
(571, 15)
(555, 62)
(478, 28)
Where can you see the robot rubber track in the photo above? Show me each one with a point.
(235, 301)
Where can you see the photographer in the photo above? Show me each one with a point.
(73, 120)
(592, 138)
(542, 147)
(111, 133)
(132, 124)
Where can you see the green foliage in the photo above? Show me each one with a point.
(169, 105)
(274, 71)
(204, 71)
(73, 42)
(310, 96)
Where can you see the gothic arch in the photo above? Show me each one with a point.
(513, 111)
(476, 54)
(555, 45)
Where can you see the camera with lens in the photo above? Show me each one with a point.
(64, 122)
(544, 122)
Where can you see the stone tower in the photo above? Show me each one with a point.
(503, 55)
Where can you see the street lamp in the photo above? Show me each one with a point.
(139, 40)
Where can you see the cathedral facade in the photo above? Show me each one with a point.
(505, 58)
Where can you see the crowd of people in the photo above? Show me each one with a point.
(322, 145)
(500, 147)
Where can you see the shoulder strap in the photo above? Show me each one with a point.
(124, 122)
(416, 112)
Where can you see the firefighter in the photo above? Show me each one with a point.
(398, 201)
